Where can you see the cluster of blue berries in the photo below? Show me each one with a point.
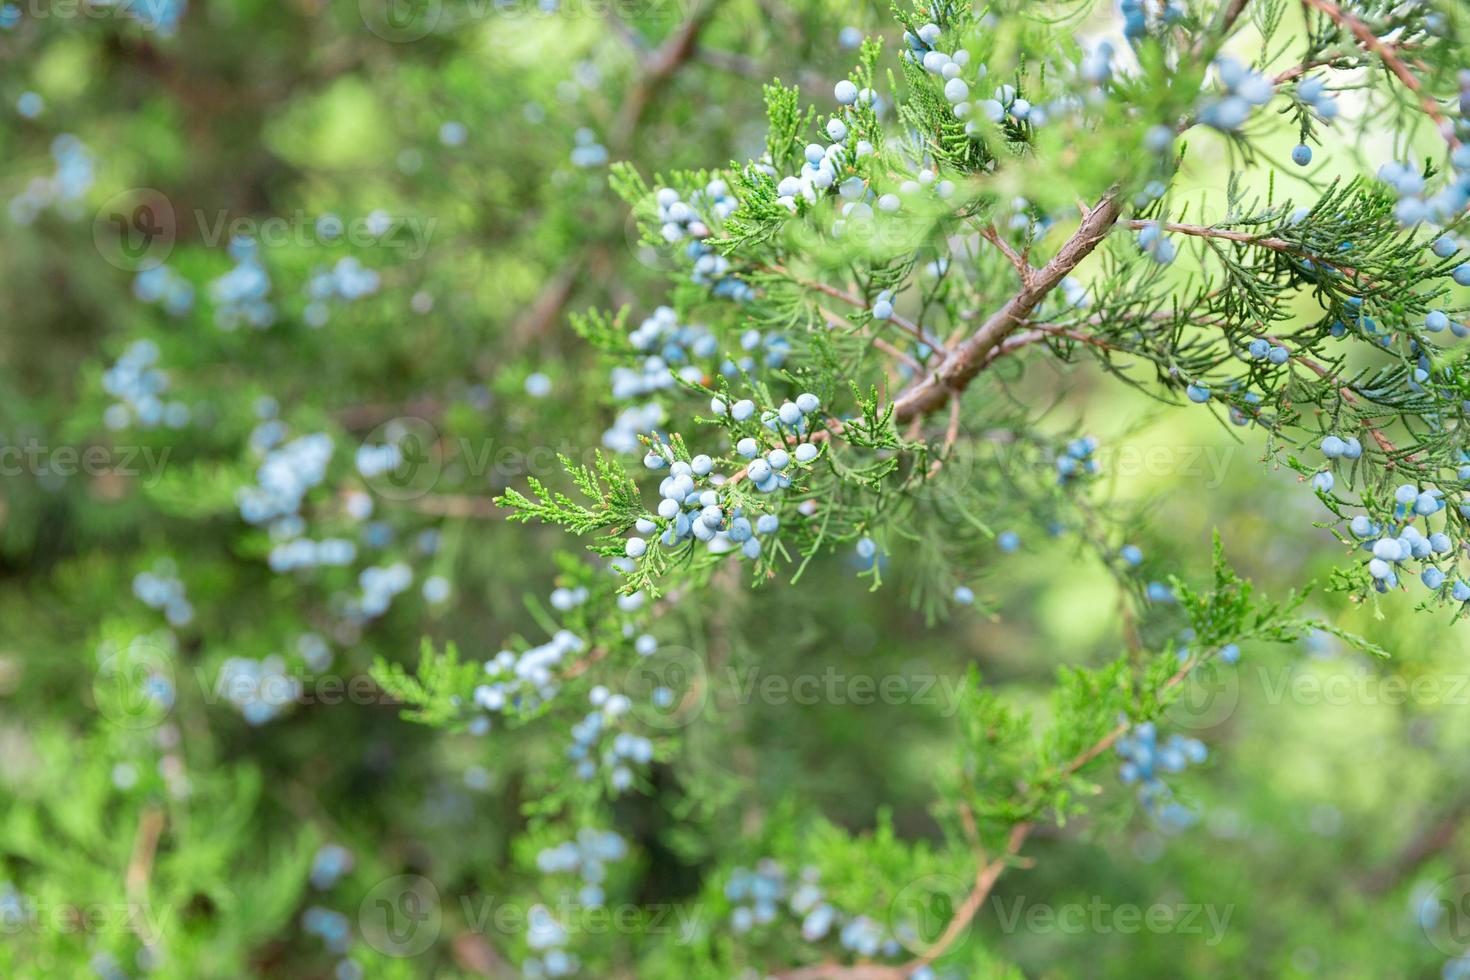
(1408, 543)
(161, 588)
(520, 681)
(757, 895)
(259, 689)
(76, 169)
(1139, 18)
(669, 346)
(1244, 90)
(1312, 92)
(1261, 349)
(1153, 242)
(330, 926)
(622, 435)
(625, 749)
(375, 459)
(284, 477)
(298, 553)
(138, 384)
(680, 220)
(588, 857)
(1415, 205)
(242, 294)
(1077, 461)
(380, 585)
(588, 152)
(163, 285)
(565, 600)
(1435, 321)
(1145, 760)
(345, 281)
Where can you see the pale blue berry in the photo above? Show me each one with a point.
(1302, 155)
(808, 402)
(742, 410)
(778, 458)
(845, 92)
(767, 524)
(1008, 541)
(806, 452)
(964, 595)
(789, 413)
(751, 548)
(635, 547)
(747, 447)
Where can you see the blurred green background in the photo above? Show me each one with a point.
(462, 150)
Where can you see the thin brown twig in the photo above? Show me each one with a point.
(963, 363)
(907, 326)
(1391, 60)
(1022, 267)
